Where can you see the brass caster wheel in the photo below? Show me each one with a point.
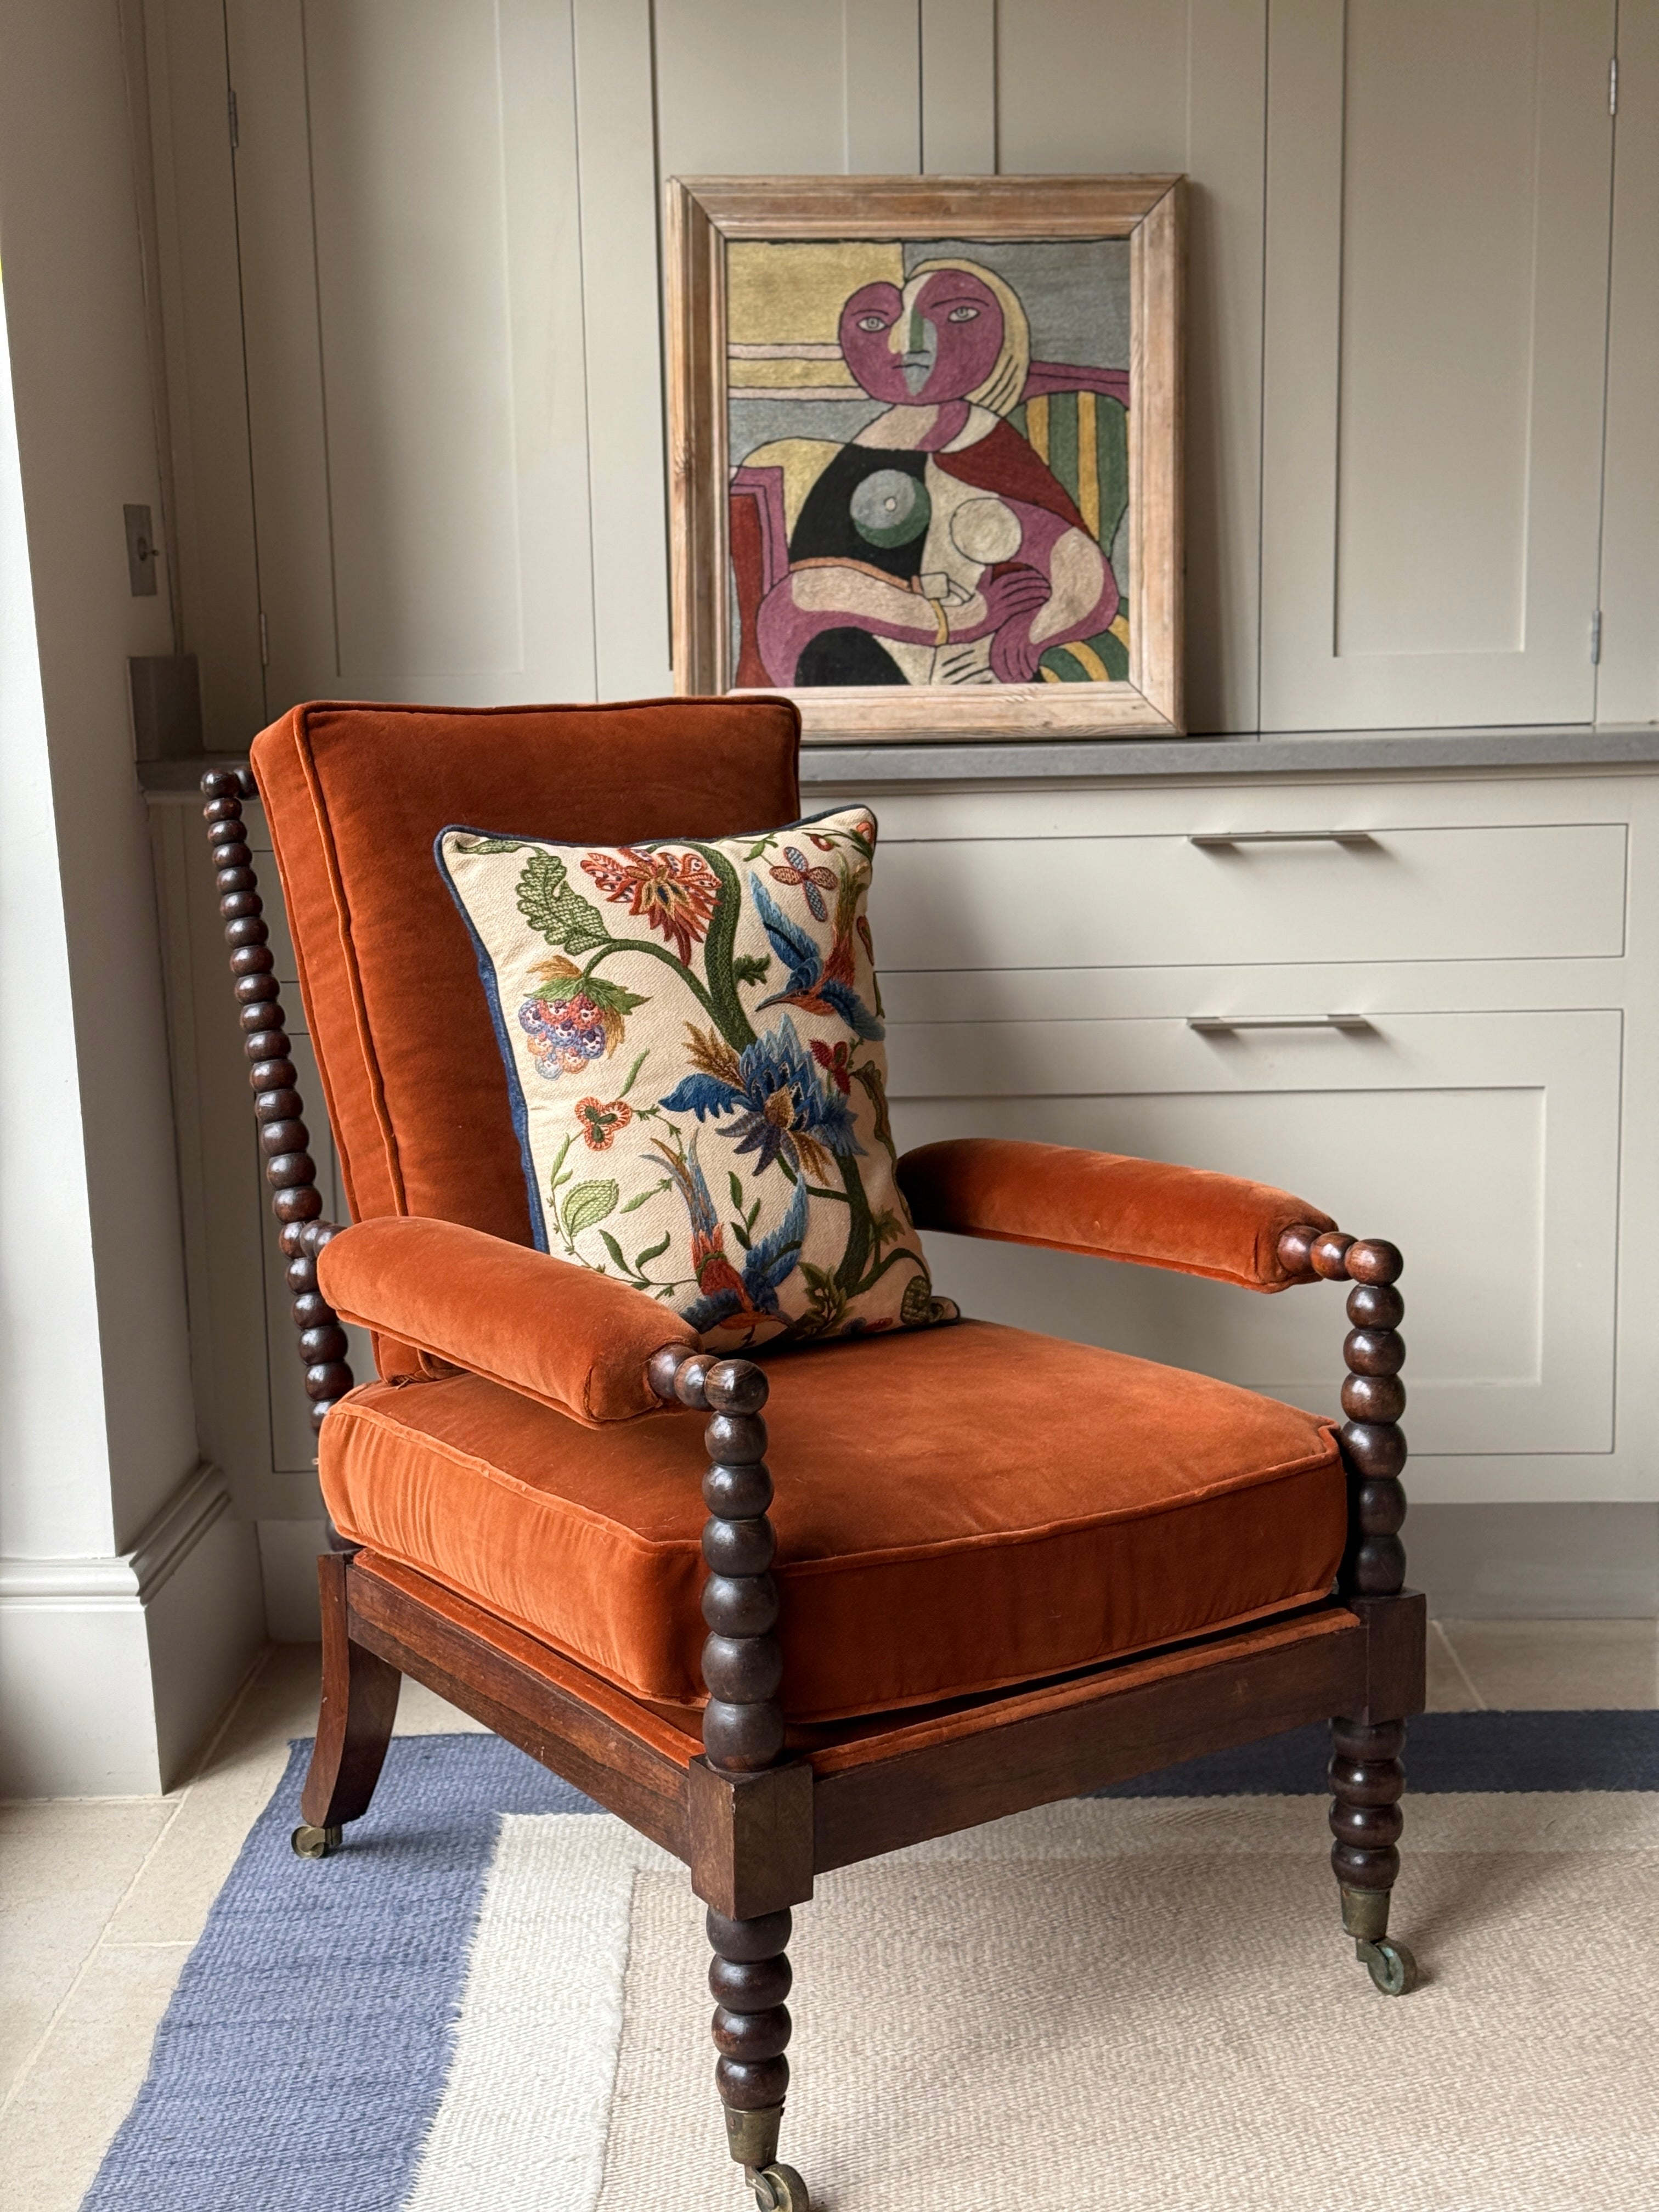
(1391, 1966)
(779, 2189)
(315, 1843)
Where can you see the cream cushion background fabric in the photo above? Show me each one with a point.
(693, 1039)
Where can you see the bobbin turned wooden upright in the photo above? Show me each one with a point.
(907, 1628)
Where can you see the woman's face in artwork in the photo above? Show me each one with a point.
(937, 339)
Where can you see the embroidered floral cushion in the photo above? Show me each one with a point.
(693, 1039)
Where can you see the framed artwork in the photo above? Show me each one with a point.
(924, 439)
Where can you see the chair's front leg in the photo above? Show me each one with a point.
(1365, 1773)
(743, 1736)
(360, 1706)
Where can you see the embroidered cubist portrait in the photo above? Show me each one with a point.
(929, 450)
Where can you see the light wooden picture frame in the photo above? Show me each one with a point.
(925, 451)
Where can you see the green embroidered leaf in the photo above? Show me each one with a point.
(721, 997)
(586, 1204)
(750, 967)
(736, 1188)
(868, 1076)
(639, 1199)
(489, 844)
(761, 845)
(554, 910)
(613, 1249)
(740, 1233)
(611, 997)
(652, 1252)
(632, 1072)
(554, 1177)
(829, 1300)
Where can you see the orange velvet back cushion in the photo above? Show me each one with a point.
(354, 795)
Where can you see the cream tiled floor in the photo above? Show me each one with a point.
(102, 1898)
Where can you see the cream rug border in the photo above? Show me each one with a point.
(524, 2122)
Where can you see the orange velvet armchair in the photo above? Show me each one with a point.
(989, 1570)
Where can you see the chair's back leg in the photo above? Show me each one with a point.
(1365, 1773)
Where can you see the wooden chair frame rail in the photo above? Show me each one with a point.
(753, 1842)
(753, 1821)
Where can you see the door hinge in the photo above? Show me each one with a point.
(1595, 639)
(264, 640)
(235, 123)
(1613, 86)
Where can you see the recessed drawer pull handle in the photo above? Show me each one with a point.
(1213, 838)
(1222, 1025)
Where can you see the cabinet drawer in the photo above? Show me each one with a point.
(1483, 892)
(1484, 1144)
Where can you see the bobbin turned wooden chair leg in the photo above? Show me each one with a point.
(360, 1703)
(1366, 1781)
(749, 1978)
(1366, 1776)
(743, 1736)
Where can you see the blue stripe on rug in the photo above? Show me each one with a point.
(305, 2047)
(1610, 1750)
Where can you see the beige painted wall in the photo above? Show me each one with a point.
(443, 250)
(100, 1431)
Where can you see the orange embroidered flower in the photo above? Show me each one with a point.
(600, 1121)
(675, 891)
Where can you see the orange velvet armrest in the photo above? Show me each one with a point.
(1143, 1211)
(547, 1329)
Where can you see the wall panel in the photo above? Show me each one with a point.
(407, 219)
(1436, 307)
(1104, 86)
(959, 57)
(211, 527)
(1628, 686)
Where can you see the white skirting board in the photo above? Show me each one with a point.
(114, 1669)
(1594, 1561)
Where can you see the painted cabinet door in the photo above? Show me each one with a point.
(1484, 1144)
(1439, 190)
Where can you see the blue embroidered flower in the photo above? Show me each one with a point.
(783, 1110)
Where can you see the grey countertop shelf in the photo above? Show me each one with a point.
(1085, 760)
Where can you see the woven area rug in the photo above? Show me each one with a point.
(494, 2001)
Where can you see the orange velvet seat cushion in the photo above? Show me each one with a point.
(956, 1512)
